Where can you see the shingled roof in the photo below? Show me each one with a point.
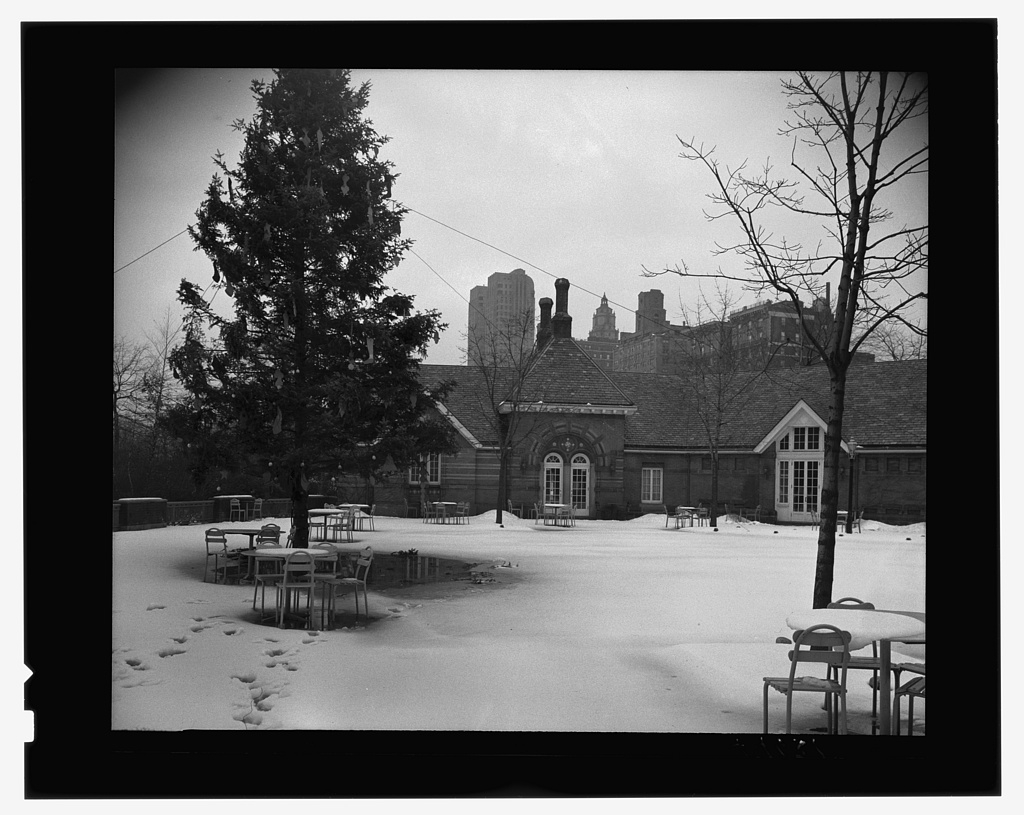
(886, 402)
(564, 374)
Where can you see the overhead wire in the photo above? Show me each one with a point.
(446, 226)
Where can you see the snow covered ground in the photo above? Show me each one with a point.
(608, 626)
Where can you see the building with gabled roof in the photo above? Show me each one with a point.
(618, 443)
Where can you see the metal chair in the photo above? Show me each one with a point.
(297, 579)
(256, 512)
(217, 549)
(815, 518)
(341, 524)
(911, 689)
(512, 509)
(364, 520)
(703, 515)
(266, 571)
(410, 509)
(815, 644)
(330, 585)
(462, 512)
(866, 663)
(429, 512)
(269, 533)
(236, 511)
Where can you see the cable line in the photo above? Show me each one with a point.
(514, 257)
(140, 257)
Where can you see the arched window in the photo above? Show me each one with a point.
(580, 482)
(553, 479)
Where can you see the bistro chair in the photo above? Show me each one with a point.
(462, 512)
(266, 571)
(512, 509)
(429, 512)
(865, 663)
(256, 513)
(326, 566)
(815, 644)
(340, 524)
(703, 515)
(237, 512)
(538, 513)
(669, 513)
(911, 689)
(319, 522)
(815, 518)
(330, 585)
(857, 521)
(217, 550)
(296, 580)
(364, 520)
(410, 509)
(268, 533)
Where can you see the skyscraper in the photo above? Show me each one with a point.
(502, 317)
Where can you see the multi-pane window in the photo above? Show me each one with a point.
(651, 479)
(553, 479)
(804, 438)
(580, 481)
(783, 482)
(433, 469)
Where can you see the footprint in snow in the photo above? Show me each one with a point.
(170, 652)
(154, 607)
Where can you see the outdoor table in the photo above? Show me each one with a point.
(685, 513)
(441, 517)
(883, 626)
(554, 515)
(251, 532)
(325, 513)
(318, 553)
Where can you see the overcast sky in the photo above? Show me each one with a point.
(565, 174)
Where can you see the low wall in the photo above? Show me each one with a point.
(141, 513)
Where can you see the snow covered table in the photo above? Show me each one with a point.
(865, 627)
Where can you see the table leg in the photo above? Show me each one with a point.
(884, 688)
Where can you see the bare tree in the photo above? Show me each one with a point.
(868, 139)
(130, 367)
(502, 358)
(718, 383)
(896, 341)
(159, 380)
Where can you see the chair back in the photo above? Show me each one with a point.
(216, 539)
(268, 532)
(298, 568)
(260, 561)
(852, 603)
(363, 564)
(327, 565)
(818, 644)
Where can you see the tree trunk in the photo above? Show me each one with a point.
(825, 565)
(300, 510)
(502, 484)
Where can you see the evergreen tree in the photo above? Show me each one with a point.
(317, 368)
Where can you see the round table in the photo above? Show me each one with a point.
(865, 627)
(282, 553)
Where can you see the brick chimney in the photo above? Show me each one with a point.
(561, 322)
(544, 329)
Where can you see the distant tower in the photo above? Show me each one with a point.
(650, 313)
(504, 306)
(604, 323)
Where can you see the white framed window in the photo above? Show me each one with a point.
(651, 480)
(433, 468)
(553, 479)
(580, 482)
